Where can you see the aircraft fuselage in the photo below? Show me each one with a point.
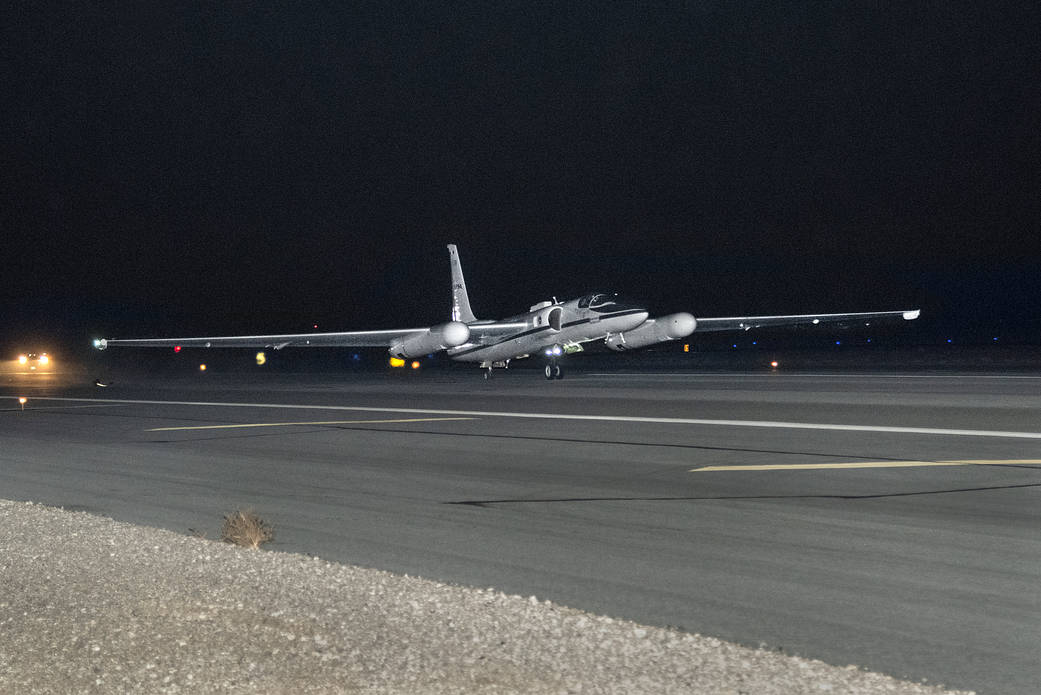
(566, 323)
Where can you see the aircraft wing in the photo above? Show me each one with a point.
(345, 339)
(744, 323)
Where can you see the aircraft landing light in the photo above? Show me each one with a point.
(866, 464)
(322, 422)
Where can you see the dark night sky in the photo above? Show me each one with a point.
(238, 166)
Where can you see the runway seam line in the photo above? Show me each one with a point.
(589, 418)
(485, 504)
(865, 464)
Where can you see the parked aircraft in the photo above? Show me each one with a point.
(549, 329)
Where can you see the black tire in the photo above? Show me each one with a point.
(557, 373)
(549, 371)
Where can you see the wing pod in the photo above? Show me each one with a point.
(437, 338)
(653, 331)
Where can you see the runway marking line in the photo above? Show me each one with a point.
(892, 429)
(64, 407)
(320, 422)
(864, 464)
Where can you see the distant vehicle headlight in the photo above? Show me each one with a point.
(44, 359)
(22, 359)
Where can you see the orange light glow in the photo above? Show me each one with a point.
(202, 367)
(22, 359)
(415, 364)
(774, 364)
(44, 359)
(397, 362)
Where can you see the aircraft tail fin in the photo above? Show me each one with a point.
(460, 301)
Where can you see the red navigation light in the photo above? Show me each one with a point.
(176, 348)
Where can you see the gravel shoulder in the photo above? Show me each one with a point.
(91, 605)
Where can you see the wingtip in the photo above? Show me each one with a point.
(912, 315)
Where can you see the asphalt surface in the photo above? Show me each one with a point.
(921, 572)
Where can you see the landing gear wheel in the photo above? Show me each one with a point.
(487, 373)
(549, 371)
(557, 374)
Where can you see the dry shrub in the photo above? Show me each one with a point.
(245, 528)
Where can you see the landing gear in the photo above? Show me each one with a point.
(553, 370)
(497, 364)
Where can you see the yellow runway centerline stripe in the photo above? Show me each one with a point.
(320, 422)
(866, 464)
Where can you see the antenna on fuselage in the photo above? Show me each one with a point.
(460, 301)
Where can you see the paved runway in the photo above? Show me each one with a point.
(889, 521)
